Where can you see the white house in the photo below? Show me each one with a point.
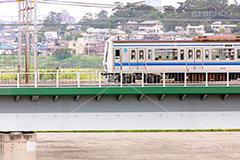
(51, 35)
(151, 27)
(195, 29)
(217, 25)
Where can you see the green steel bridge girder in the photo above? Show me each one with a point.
(117, 91)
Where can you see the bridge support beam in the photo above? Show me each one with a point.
(183, 97)
(35, 98)
(17, 98)
(98, 98)
(140, 98)
(119, 97)
(204, 97)
(77, 98)
(56, 98)
(161, 98)
(225, 97)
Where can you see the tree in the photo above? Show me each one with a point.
(169, 12)
(222, 30)
(196, 12)
(236, 30)
(208, 29)
(71, 36)
(41, 37)
(102, 20)
(54, 22)
(133, 12)
(87, 21)
(62, 54)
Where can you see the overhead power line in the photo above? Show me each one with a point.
(79, 5)
(74, 2)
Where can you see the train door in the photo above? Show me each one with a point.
(141, 65)
(117, 59)
(133, 59)
(194, 59)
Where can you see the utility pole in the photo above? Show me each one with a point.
(35, 38)
(25, 18)
(27, 10)
(20, 15)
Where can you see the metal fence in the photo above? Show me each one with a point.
(76, 78)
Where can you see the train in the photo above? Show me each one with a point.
(132, 58)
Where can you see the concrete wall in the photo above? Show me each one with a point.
(127, 114)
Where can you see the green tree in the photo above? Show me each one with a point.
(236, 30)
(133, 12)
(62, 54)
(54, 22)
(208, 29)
(87, 21)
(222, 30)
(41, 36)
(102, 20)
(71, 36)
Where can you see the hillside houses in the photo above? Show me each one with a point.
(92, 41)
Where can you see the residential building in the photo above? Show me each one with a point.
(151, 37)
(66, 18)
(103, 34)
(216, 26)
(131, 25)
(138, 34)
(151, 27)
(180, 30)
(51, 35)
(77, 47)
(6, 49)
(94, 48)
(190, 30)
(170, 35)
(56, 45)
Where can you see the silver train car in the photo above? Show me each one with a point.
(202, 54)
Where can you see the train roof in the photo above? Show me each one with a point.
(199, 39)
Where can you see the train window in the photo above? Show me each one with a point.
(150, 55)
(182, 54)
(141, 54)
(238, 54)
(133, 55)
(171, 54)
(223, 54)
(198, 54)
(216, 54)
(160, 54)
(231, 53)
(206, 54)
(117, 54)
(190, 54)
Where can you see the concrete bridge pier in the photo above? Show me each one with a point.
(18, 146)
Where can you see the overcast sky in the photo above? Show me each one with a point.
(9, 11)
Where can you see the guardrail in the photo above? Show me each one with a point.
(98, 79)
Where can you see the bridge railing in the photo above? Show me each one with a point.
(73, 78)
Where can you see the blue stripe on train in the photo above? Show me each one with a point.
(178, 45)
(143, 45)
(177, 63)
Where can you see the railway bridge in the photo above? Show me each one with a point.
(74, 100)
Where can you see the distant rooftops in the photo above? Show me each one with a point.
(149, 22)
(5, 46)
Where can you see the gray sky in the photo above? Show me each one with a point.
(9, 11)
